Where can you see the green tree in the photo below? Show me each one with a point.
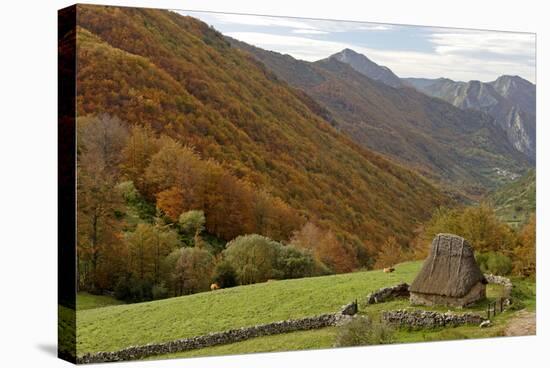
(193, 271)
(192, 222)
(253, 256)
(148, 245)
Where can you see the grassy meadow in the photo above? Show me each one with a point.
(324, 338)
(119, 326)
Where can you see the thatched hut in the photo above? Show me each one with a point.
(449, 276)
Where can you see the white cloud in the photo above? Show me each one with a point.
(468, 42)
(308, 31)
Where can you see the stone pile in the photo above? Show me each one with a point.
(381, 295)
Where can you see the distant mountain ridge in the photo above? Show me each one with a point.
(463, 149)
(510, 100)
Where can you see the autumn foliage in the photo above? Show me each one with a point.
(255, 136)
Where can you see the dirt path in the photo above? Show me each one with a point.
(523, 323)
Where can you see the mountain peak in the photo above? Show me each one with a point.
(348, 51)
(367, 67)
(510, 77)
(348, 54)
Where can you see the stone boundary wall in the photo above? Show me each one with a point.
(381, 295)
(429, 319)
(500, 280)
(225, 337)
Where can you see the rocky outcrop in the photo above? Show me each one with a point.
(429, 319)
(225, 337)
(384, 294)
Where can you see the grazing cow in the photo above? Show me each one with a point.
(214, 286)
(389, 269)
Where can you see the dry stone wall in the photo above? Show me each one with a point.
(500, 280)
(381, 295)
(429, 319)
(225, 337)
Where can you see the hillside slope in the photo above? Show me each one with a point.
(462, 149)
(510, 100)
(184, 79)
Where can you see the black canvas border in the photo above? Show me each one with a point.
(66, 187)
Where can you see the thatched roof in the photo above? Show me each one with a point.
(450, 269)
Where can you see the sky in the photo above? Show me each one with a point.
(409, 51)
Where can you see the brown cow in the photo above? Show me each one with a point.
(214, 286)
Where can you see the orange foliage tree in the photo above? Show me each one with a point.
(326, 247)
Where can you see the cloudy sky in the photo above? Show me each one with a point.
(410, 51)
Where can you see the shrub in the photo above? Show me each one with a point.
(293, 263)
(517, 304)
(520, 293)
(159, 291)
(499, 264)
(225, 275)
(133, 290)
(122, 289)
(495, 263)
(364, 331)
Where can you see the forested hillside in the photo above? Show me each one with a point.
(186, 140)
(464, 150)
